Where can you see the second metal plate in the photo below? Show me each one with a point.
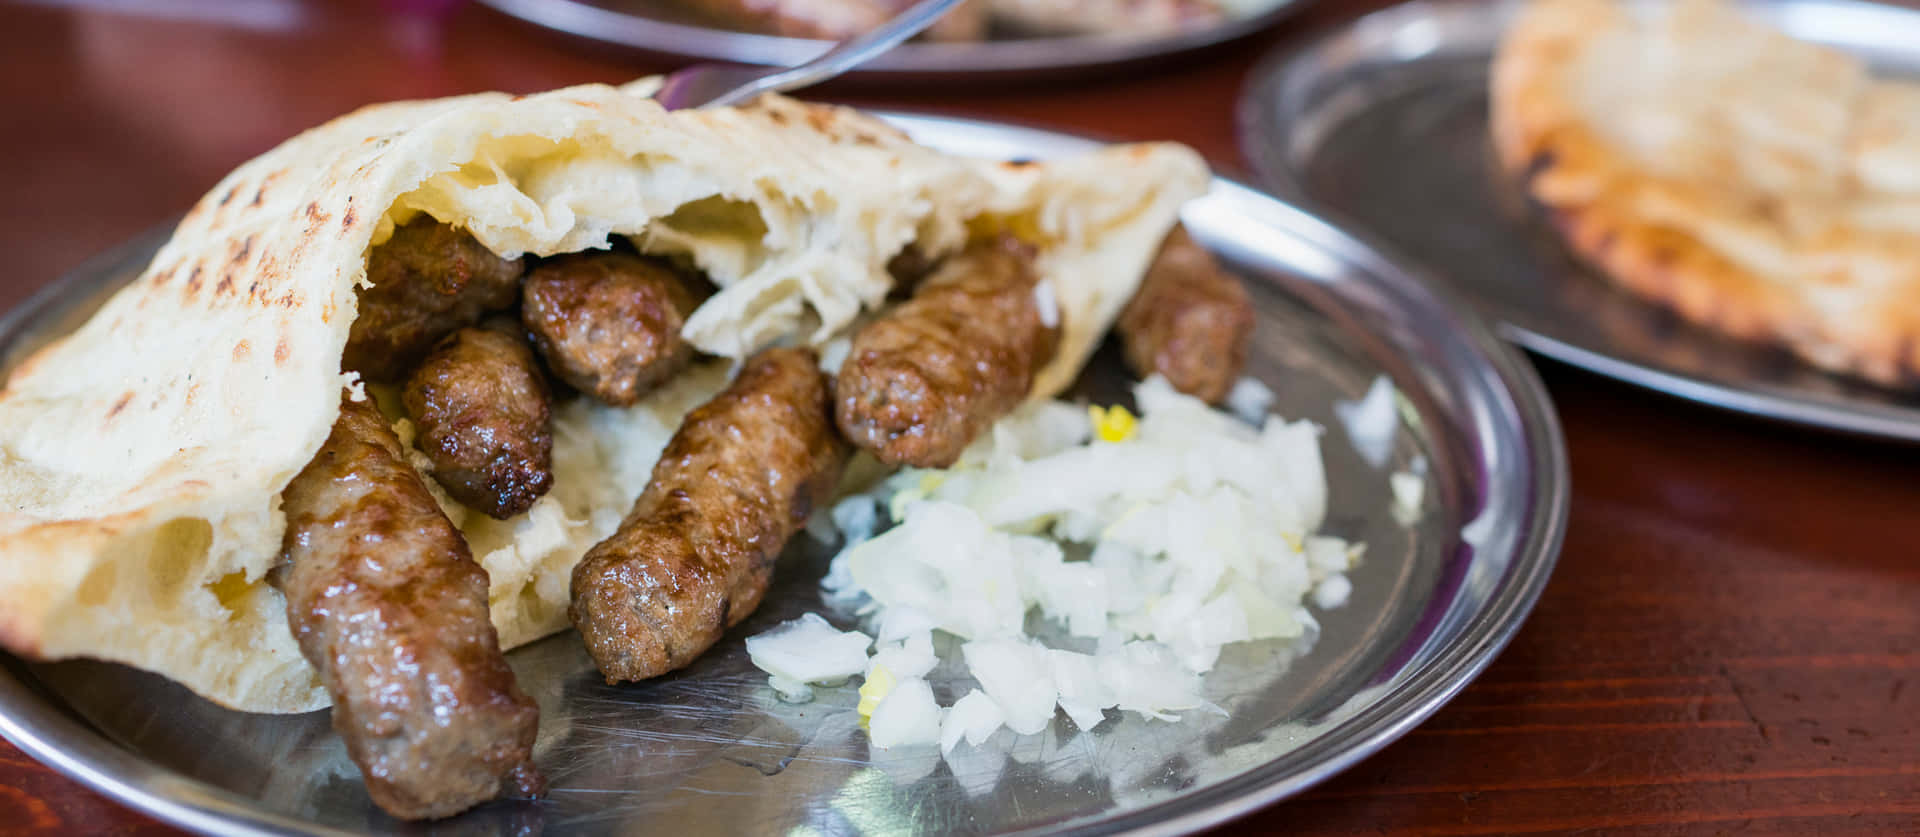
(1383, 121)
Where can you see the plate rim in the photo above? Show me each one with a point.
(1257, 114)
(581, 19)
(50, 733)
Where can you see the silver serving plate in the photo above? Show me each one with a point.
(711, 750)
(1383, 123)
(656, 27)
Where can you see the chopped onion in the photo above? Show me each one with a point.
(1018, 678)
(1250, 400)
(834, 354)
(974, 717)
(1083, 695)
(1147, 680)
(1371, 422)
(856, 517)
(1169, 537)
(907, 715)
(1408, 491)
(1327, 555)
(1332, 592)
(1046, 303)
(791, 691)
(809, 650)
(911, 657)
(898, 623)
(821, 528)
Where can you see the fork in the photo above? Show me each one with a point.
(720, 85)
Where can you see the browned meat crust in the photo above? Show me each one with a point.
(609, 323)
(428, 280)
(927, 377)
(696, 553)
(907, 268)
(481, 405)
(389, 606)
(1190, 321)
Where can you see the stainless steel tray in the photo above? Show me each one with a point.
(654, 26)
(1383, 122)
(711, 751)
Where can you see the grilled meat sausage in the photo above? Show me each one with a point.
(907, 268)
(428, 280)
(609, 322)
(483, 412)
(1190, 321)
(390, 607)
(924, 379)
(695, 555)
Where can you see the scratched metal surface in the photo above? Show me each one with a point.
(710, 750)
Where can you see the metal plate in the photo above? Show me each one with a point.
(656, 27)
(710, 750)
(1383, 122)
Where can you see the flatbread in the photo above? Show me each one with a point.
(142, 456)
(1757, 185)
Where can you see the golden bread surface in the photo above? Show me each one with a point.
(1758, 185)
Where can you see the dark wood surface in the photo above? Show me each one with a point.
(1731, 642)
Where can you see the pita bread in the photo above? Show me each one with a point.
(142, 456)
(1755, 184)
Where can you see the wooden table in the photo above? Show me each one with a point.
(1732, 639)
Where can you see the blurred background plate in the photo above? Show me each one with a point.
(1383, 123)
(710, 750)
(658, 27)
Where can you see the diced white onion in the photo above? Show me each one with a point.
(1082, 694)
(789, 690)
(1408, 491)
(910, 657)
(1046, 304)
(1250, 399)
(1332, 592)
(1147, 680)
(1185, 531)
(898, 623)
(809, 650)
(1017, 677)
(834, 354)
(973, 717)
(856, 517)
(1326, 555)
(1371, 422)
(907, 715)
